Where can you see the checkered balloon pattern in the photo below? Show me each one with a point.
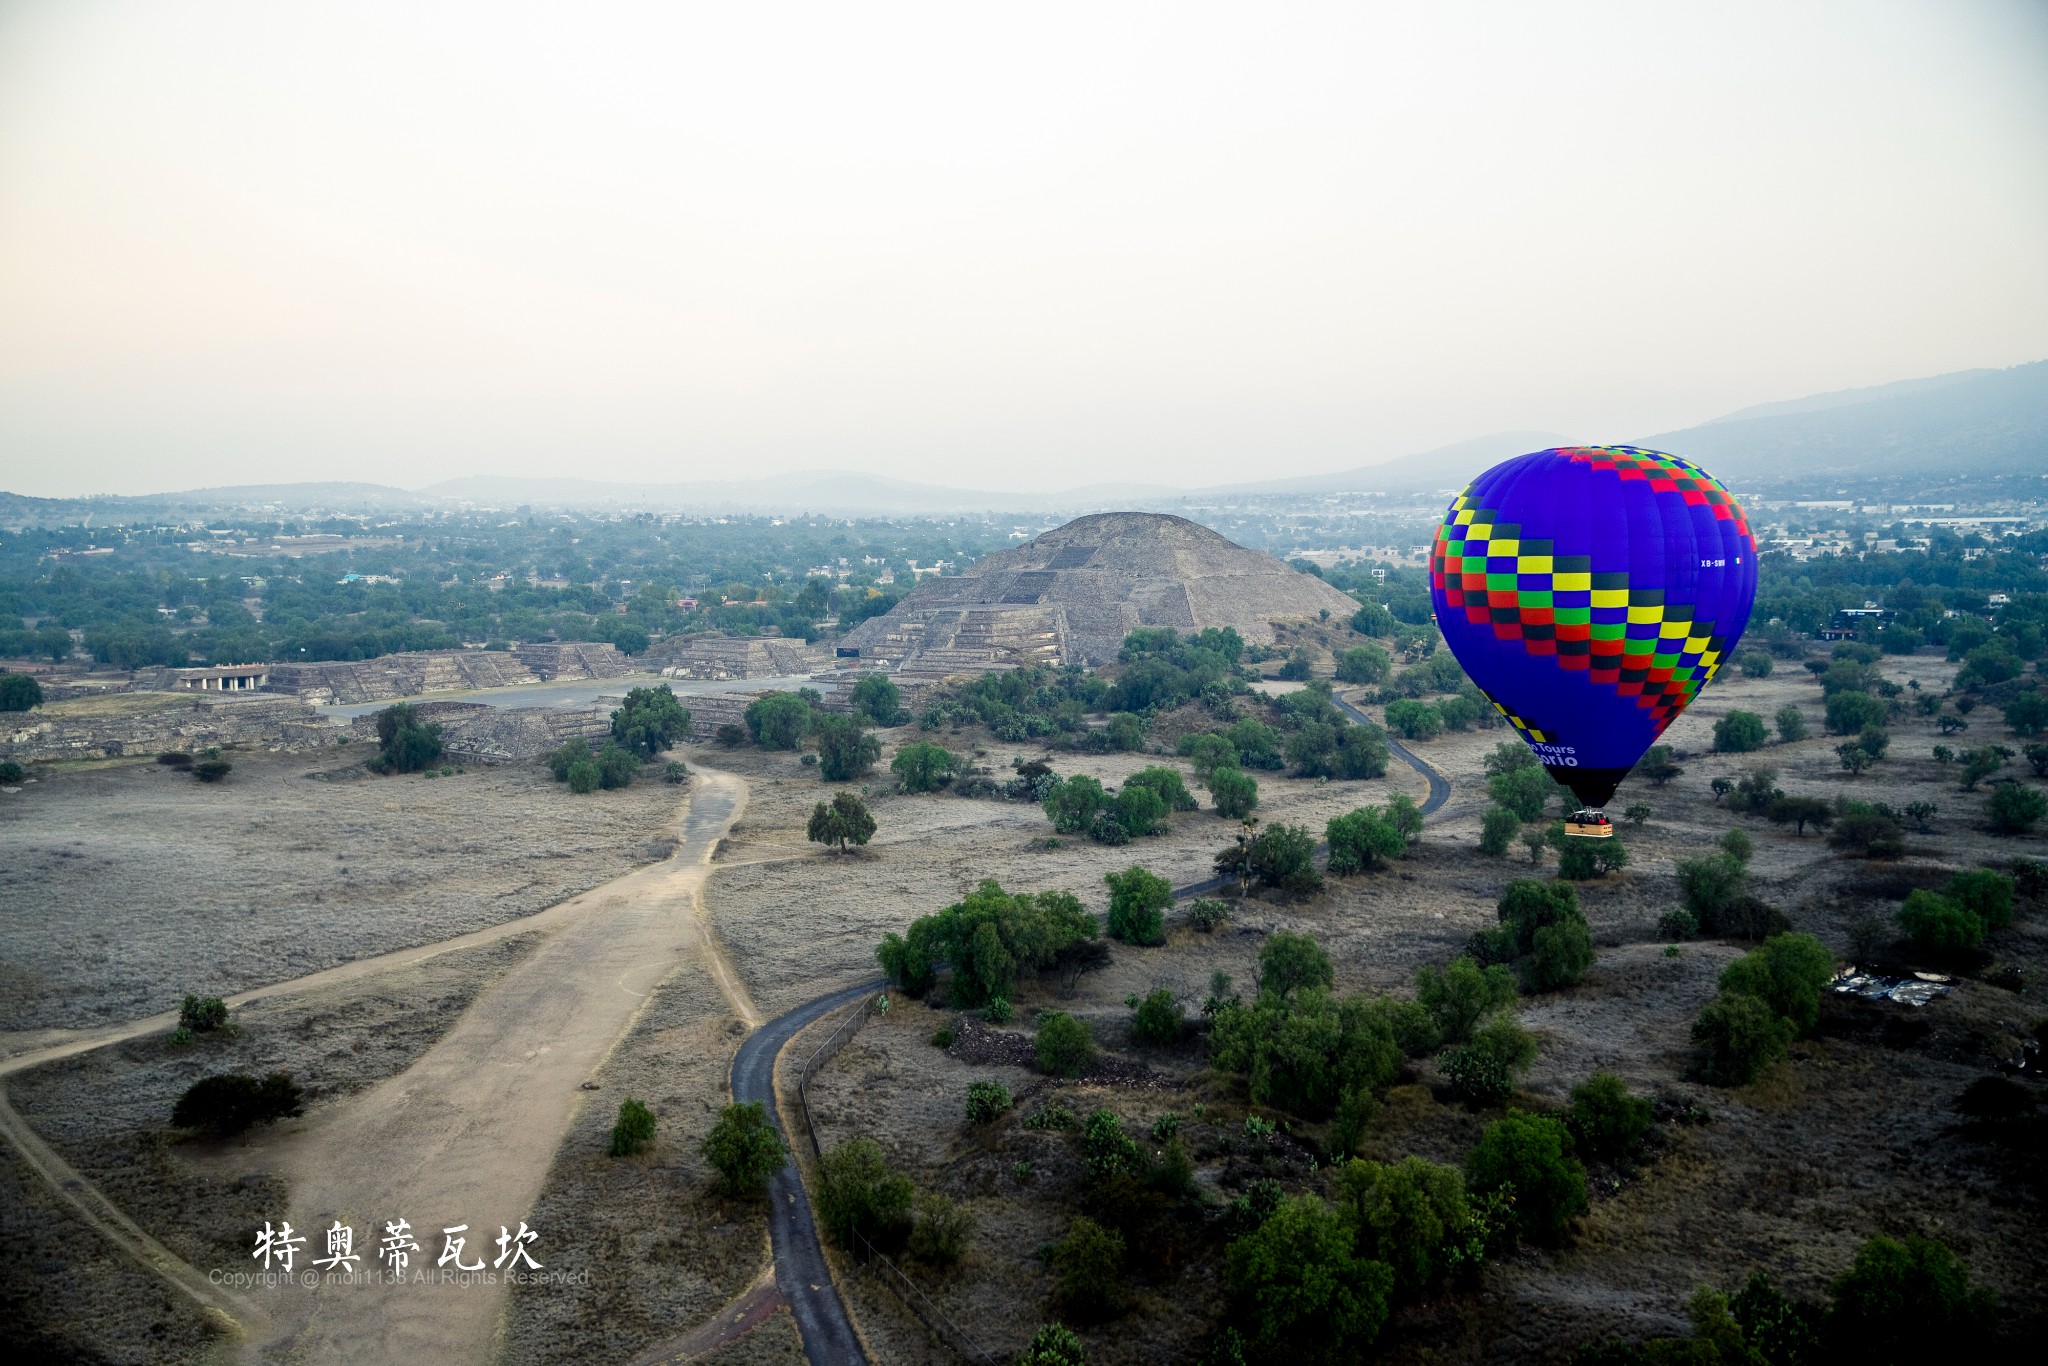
(1590, 592)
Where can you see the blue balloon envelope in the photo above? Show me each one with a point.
(1590, 592)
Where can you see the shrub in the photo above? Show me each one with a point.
(2014, 810)
(730, 735)
(1985, 892)
(1524, 791)
(1735, 1037)
(1410, 1214)
(1558, 956)
(1054, 1344)
(1107, 829)
(1363, 664)
(1712, 887)
(778, 720)
(1849, 712)
(1291, 962)
(1458, 996)
(1301, 1288)
(1208, 914)
(1529, 1156)
(877, 699)
(842, 821)
(1679, 924)
(941, 1232)
(1864, 831)
(650, 720)
(1167, 785)
(1788, 973)
(1529, 905)
(1658, 766)
(633, 1130)
(583, 776)
(674, 772)
(1791, 725)
(1910, 1301)
(1982, 762)
(846, 750)
(1755, 664)
(988, 938)
(1305, 1052)
(1073, 803)
(1109, 1151)
(1280, 856)
(1413, 720)
(744, 1147)
(1739, 732)
(203, 1014)
(1064, 1045)
(21, 692)
(2026, 714)
(858, 1194)
(1088, 1270)
(405, 743)
(1637, 813)
(987, 1102)
(1137, 905)
(1362, 840)
(228, 1104)
(1581, 860)
(212, 770)
(1483, 1072)
(1497, 829)
(1800, 812)
(1936, 924)
(1606, 1121)
(942, 1037)
(1233, 792)
(1158, 1019)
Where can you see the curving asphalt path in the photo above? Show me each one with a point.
(801, 1272)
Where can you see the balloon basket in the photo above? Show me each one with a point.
(1589, 825)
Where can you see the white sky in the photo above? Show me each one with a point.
(1019, 247)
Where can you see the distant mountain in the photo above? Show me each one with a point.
(1970, 425)
(1445, 467)
(838, 491)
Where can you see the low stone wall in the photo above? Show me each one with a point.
(388, 678)
(272, 723)
(474, 733)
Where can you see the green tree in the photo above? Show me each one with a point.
(1739, 732)
(1301, 1288)
(1366, 663)
(19, 692)
(778, 720)
(876, 698)
(846, 751)
(405, 743)
(1138, 901)
(1909, 1301)
(1938, 925)
(923, 766)
(1524, 791)
(2014, 810)
(1529, 1156)
(1485, 1071)
(1788, 973)
(1073, 803)
(1559, 955)
(1755, 664)
(1606, 1120)
(1985, 892)
(941, 1232)
(633, 1130)
(1736, 1036)
(1414, 720)
(1088, 1270)
(1280, 856)
(1497, 830)
(1233, 792)
(842, 821)
(1166, 783)
(650, 721)
(745, 1148)
(1658, 766)
(1064, 1045)
(1290, 962)
(987, 1102)
(1158, 1019)
(1800, 812)
(1410, 1214)
(1791, 725)
(859, 1194)
(1137, 810)
(1362, 840)
(1457, 997)
(1054, 1344)
(203, 1014)
(1849, 712)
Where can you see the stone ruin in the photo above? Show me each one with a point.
(711, 655)
(472, 732)
(187, 723)
(390, 677)
(1072, 595)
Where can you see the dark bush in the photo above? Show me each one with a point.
(1606, 1121)
(1280, 856)
(1739, 732)
(1497, 830)
(1290, 962)
(1909, 1301)
(1411, 1214)
(1301, 1289)
(1054, 1344)
(1457, 997)
(846, 749)
(858, 1194)
(1483, 1072)
(1233, 792)
(1529, 1156)
(1064, 1045)
(1938, 925)
(743, 1146)
(1158, 1019)
(1088, 1271)
(941, 1231)
(650, 721)
(1138, 901)
(1558, 956)
(1986, 893)
(203, 1014)
(405, 743)
(1207, 914)
(2014, 810)
(229, 1104)
(212, 770)
(634, 1129)
(1735, 1037)
(1788, 973)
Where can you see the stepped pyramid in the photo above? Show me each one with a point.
(1072, 595)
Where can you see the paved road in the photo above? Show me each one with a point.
(800, 1270)
(1439, 786)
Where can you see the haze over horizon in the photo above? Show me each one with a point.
(1179, 245)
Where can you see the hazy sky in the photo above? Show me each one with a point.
(1018, 247)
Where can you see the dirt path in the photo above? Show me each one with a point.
(466, 1134)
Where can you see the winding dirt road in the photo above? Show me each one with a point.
(465, 1135)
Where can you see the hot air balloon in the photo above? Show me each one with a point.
(1591, 592)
